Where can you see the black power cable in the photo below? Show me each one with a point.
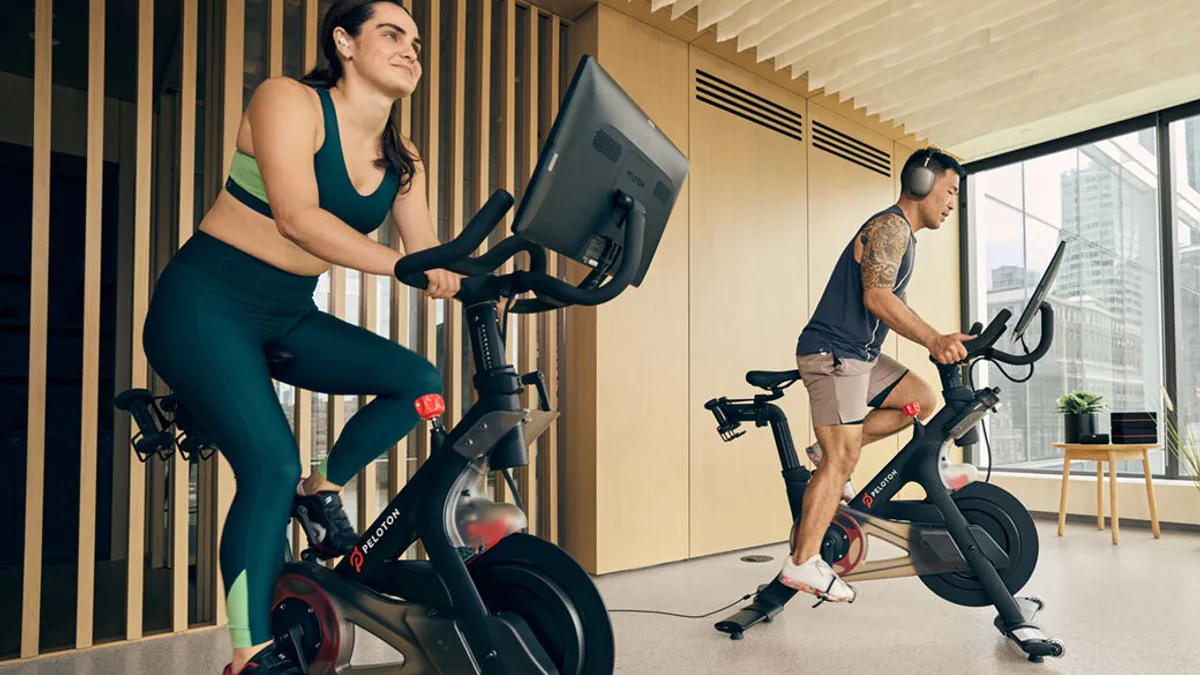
(685, 616)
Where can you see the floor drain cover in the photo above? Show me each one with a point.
(757, 558)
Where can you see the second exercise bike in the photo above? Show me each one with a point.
(973, 545)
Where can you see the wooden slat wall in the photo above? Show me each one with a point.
(39, 291)
(187, 158)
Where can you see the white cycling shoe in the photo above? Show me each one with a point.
(815, 576)
(814, 456)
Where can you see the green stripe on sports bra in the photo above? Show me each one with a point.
(244, 171)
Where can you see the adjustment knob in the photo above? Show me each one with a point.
(430, 406)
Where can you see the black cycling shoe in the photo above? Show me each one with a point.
(324, 521)
(267, 662)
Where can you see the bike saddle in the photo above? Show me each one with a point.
(772, 379)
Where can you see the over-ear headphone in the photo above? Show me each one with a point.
(918, 180)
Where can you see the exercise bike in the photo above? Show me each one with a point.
(973, 545)
(492, 599)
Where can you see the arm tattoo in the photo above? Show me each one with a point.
(884, 239)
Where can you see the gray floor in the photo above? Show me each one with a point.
(1132, 608)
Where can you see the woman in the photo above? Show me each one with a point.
(320, 164)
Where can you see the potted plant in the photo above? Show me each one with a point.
(1079, 409)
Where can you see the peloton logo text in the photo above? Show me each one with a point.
(356, 557)
(869, 500)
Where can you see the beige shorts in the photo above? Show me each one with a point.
(841, 391)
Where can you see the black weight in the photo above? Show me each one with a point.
(1009, 524)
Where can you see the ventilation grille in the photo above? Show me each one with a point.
(851, 149)
(735, 100)
(607, 146)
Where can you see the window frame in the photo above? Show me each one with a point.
(1158, 121)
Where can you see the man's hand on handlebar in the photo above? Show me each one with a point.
(949, 348)
(443, 284)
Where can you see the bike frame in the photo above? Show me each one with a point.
(425, 508)
(935, 533)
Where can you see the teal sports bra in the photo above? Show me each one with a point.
(336, 192)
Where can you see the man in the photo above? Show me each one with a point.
(839, 359)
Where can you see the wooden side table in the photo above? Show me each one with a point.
(1111, 454)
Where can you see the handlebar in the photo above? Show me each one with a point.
(410, 267)
(551, 293)
(982, 346)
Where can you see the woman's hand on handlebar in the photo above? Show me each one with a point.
(443, 284)
(949, 348)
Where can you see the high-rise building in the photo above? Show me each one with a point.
(1107, 337)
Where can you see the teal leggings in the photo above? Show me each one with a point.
(215, 310)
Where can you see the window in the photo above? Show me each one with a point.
(1185, 169)
(1101, 198)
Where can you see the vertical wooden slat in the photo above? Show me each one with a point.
(235, 48)
(453, 310)
(302, 413)
(548, 332)
(337, 307)
(310, 34)
(526, 477)
(427, 308)
(336, 417)
(141, 301)
(366, 478)
(162, 149)
(483, 135)
(406, 107)
(187, 161)
(89, 423)
(398, 454)
(427, 314)
(508, 164)
(39, 292)
(275, 38)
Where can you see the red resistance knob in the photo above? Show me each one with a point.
(430, 406)
(912, 409)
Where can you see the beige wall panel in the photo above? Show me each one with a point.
(748, 300)
(641, 338)
(842, 196)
